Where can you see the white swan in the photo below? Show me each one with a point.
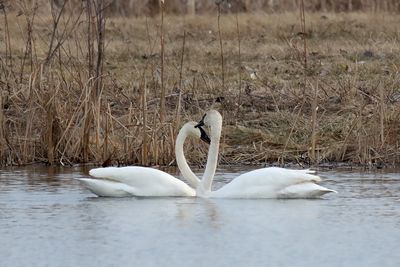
(143, 181)
(261, 183)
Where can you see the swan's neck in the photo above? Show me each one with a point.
(187, 173)
(212, 161)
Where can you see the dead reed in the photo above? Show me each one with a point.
(77, 87)
(221, 47)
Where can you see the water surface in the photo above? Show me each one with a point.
(48, 219)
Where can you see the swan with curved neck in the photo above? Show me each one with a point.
(144, 181)
(261, 183)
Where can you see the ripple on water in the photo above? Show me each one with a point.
(46, 217)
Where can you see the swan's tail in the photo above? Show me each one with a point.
(308, 175)
(107, 188)
(103, 172)
(292, 176)
(113, 174)
(304, 190)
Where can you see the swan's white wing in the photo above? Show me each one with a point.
(276, 177)
(107, 188)
(145, 181)
(265, 183)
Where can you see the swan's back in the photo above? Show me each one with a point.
(145, 181)
(265, 183)
(275, 176)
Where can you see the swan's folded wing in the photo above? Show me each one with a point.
(146, 181)
(276, 177)
(132, 175)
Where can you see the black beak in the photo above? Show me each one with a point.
(201, 122)
(204, 135)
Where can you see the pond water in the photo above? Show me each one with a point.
(48, 219)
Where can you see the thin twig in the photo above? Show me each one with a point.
(178, 106)
(221, 47)
(240, 65)
(162, 102)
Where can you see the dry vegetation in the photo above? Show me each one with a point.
(76, 87)
(151, 7)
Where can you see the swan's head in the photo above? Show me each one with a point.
(198, 132)
(211, 118)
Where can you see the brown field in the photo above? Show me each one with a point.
(75, 92)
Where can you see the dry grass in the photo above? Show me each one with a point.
(60, 106)
(151, 7)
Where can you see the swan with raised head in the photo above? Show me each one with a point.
(261, 183)
(144, 181)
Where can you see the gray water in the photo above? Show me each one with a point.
(48, 219)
